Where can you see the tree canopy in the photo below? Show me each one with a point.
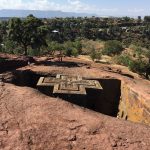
(28, 32)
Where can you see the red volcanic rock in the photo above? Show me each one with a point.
(31, 120)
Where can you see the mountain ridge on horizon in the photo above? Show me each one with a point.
(41, 13)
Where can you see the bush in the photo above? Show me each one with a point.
(138, 52)
(54, 46)
(72, 48)
(112, 47)
(10, 47)
(123, 60)
(68, 52)
(68, 46)
(34, 52)
(74, 52)
(147, 54)
(138, 66)
(95, 55)
(78, 45)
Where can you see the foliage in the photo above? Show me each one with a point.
(27, 32)
(34, 52)
(147, 54)
(76, 36)
(3, 30)
(95, 54)
(138, 52)
(112, 47)
(10, 47)
(68, 47)
(123, 59)
(74, 52)
(147, 19)
(78, 45)
(52, 47)
(72, 48)
(138, 66)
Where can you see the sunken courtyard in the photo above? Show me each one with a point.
(72, 102)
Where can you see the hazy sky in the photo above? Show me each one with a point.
(101, 7)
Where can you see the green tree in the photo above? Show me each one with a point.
(138, 66)
(27, 32)
(10, 46)
(147, 19)
(95, 54)
(3, 30)
(112, 47)
(52, 47)
(74, 52)
(68, 47)
(123, 59)
(78, 45)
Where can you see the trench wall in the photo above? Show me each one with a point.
(132, 106)
(117, 98)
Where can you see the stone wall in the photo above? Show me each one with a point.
(106, 101)
(132, 106)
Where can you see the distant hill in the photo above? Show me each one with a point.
(8, 13)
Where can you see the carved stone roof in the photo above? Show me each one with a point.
(66, 84)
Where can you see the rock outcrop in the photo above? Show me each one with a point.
(30, 120)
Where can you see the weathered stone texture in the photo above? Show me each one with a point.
(132, 106)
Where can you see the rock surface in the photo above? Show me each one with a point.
(30, 120)
(135, 92)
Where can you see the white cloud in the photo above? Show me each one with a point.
(74, 2)
(5, 4)
(109, 10)
(32, 4)
(136, 10)
(69, 5)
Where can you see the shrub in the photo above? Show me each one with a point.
(147, 54)
(95, 55)
(72, 48)
(123, 60)
(74, 52)
(78, 45)
(127, 42)
(138, 66)
(10, 47)
(33, 52)
(98, 55)
(112, 47)
(52, 47)
(68, 52)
